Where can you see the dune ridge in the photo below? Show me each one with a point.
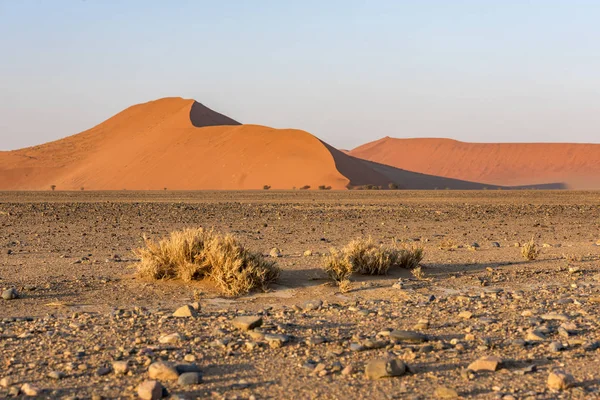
(572, 165)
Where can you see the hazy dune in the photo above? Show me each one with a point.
(575, 166)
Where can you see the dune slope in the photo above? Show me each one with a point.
(555, 165)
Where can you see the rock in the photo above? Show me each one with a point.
(170, 338)
(554, 317)
(535, 336)
(489, 363)
(10, 294)
(348, 370)
(560, 380)
(465, 314)
(189, 378)
(495, 244)
(357, 347)
(475, 245)
(150, 390)
(120, 367)
(408, 336)
(185, 312)
(445, 393)
(275, 252)
(6, 381)
(312, 305)
(276, 340)
(29, 390)
(55, 375)
(308, 253)
(189, 358)
(384, 368)
(103, 371)
(162, 371)
(247, 322)
(555, 347)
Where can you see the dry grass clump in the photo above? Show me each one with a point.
(368, 258)
(194, 254)
(530, 251)
(338, 266)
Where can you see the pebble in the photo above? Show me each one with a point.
(308, 253)
(535, 336)
(189, 378)
(275, 252)
(120, 367)
(312, 305)
(186, 311)
(555, 347)
(170, 338)
(488, 363)
(383, 368)
(445, 393)
(29, 390)
(560, 380)
(554, 317)
(150, 390)
(56, 375)
(465, 314)
(408, 336)
(247, 323)
(10, 294)
(162, 371)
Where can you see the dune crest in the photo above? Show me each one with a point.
(576, 166)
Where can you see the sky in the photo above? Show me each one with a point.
(346, 71)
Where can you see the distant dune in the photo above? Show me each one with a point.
(546, 165)
(181, 144)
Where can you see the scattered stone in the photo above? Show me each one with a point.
(189, 378)
(247, 322)
(384, 368)
(535, 336)
(445, 393)
(10, 294)
(408, 336)
(560, 380)
(185, 368)
(495, 244)
(308, 253)
(488, 363)
(185, 312)
(6, 382)
(275, 252)
(554, 317)
(57, 375)
(348, 370)
(465, 314)
(162, 371)
(29, 390)
(120, 367)
(555, 347)
(170, 338)
(150, 390)
(103, 371)
(312, 305)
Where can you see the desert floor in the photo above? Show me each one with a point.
(81, 308)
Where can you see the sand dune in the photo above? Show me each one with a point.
(576, 166)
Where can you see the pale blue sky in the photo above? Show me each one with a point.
(347, 71)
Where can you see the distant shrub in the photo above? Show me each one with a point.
(323, 187)
(393, 186)
(368, 187)
(165, 189)
(194, 254)
(53, 187)
(82, 188)
(266, 187)
(530, 251)
(305, 187)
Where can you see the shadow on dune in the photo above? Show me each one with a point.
(202, 116)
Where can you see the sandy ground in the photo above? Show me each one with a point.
(69, 255)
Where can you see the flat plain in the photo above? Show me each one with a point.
(81, 311)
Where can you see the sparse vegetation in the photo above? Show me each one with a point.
(82, 188)
(449, 244)
(418, 273)
(266, 187)
(323, 187)
(530, 251)
(194, 254)
(305, 187)
(393, 186)
(368, 258)
(338, 266)
(53, 187)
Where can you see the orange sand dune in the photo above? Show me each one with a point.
(577, 166)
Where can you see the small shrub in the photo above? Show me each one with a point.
(530, 251)
(418, 273)
(338, 266)
(323, 187)
(411, 257)
(367, 258)
(266, 187)
(82, 188)
(305, 187)
(194, 254)
(53, 187)
(393, 186)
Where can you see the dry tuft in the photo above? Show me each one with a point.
(530, 251)
(411, 257)
(194, 254)
(338, 266)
